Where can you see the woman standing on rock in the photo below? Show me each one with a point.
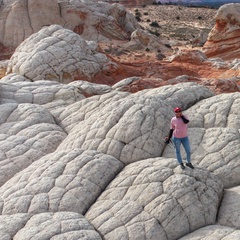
(179, 131)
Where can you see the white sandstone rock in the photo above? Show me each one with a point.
(127, 126)
(59, 54)
(90, 89)
(219, 111)
(47, 177)
(61, 225)
(121, 84)
(51, 95)
(155, 189)
(216, 232)
(61, 181)
(229, 212)
(11, 224)
(27, 132)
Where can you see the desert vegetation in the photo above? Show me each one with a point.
(174, 22)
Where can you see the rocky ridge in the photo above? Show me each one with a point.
(80, 160)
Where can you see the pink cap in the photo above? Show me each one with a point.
(177, 109)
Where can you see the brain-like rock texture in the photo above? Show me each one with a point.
(223, 40)
(59, 54)
(160, 201)
(27, 132)
(52, 95)
(215, 137)
(85, 161)
(136, 125)
(93, 20)
(61, 225)
(97, 168)
(214, 232)
(65, 181)
(229, 213)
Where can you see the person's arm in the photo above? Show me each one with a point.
(167, 139)
(185, 120)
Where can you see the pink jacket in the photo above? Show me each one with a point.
(180, 129)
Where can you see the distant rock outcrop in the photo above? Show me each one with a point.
(93, 20)
(142, 39)
(224, 39)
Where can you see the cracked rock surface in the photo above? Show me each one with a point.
(159, 198)
(99, 166)
(58, 54)
(80, 160)
(61, 225)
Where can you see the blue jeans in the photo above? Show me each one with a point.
(186, 144)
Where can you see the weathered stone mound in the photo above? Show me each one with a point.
(28, 132)
(52, 95)
(152, 199)
(129, 126)
(223, 40)
(63, 181)
(55, 53)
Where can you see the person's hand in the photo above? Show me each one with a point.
(167, 140)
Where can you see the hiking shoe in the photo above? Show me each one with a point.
(190, 165)
(182, 166)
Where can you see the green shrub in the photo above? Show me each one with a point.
(160, 56)
(154, 32)
(167, 45)
(138, 14)
(138, 18)
(154, 24)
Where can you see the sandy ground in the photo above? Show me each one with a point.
(176, 26)
(175, 22)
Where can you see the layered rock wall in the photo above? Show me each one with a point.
(94, 21)
(223, 40)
